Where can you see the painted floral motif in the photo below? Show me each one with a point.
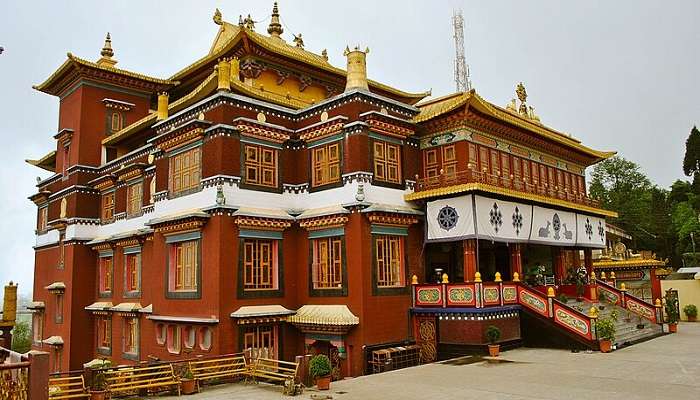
(612, 297)
(510, 294)
(533, 302)
(430, 296)
(571, 321)
(517, 221)
(496, 218)
(460, 295)
(490, 295)
(640, 309)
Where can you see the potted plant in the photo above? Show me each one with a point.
(606, 333)
(320, 369)
(188, 385)
(628, 317)
(613, 315)
(493, 334)
(563, 298)
(98, 386)
(690, 311)
(671, 309)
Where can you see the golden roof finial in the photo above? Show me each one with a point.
(357, 68)
(107, 53)
(218, 19)
(249, 23)
(324, 54)
(299, 41)
(275, 28)
(522, 96)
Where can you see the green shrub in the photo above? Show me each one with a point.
(493, 334)
(319, 365)
(690, 310)
(605, 328)
(671, 308)
(187, 374)
(99, 382)
(563, 298)
(613, 315)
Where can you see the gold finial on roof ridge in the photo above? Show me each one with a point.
(248, 23)
(218, 19)
(275, 28)
(107, 53)
(324, 54)
(298, 41)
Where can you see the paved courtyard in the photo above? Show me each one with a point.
(665, 367)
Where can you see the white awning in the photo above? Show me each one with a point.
(147, 310)
(335, 315)
(100, 306)
(262, 213)
(261, 311)
(192, 320)
(688, 270)
(36, 305)
(53, 341)
(323, 211)
(127, 307)
(56, 286)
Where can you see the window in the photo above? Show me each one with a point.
(173, 339)
(57, 360)
(484, 159)
(131, 335)
(184, 261)
(58, 316)
(495, 170)
(108, 207)
(261, 341)
(505, 165)
(37, 326)
(43, 218)
(259, 264)
(387, 162)
(205, 334)
(389, 261)
(185, 171)
(260, 166)
(65, 161)
(134, 199)
(105, 275)
(189, 337)
(325, 164)
(431, 163)
(327, 263)
(104, 333)
(472, 155)
(132, 272)
(62, 250)
(449, 160)
(116, 122)
(161, 334)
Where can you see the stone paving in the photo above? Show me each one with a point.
(665, 367)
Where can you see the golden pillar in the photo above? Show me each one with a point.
(162, 106)
(224, 75)
(357, 68)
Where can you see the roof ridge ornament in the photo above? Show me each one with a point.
(298, 40)
(275, 28)
(218, 18)
(107, 53)
(524, 110)
(357, 68)
(248, 23)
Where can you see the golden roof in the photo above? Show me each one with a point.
(471, 187)
(631, 262)
(439, 106)
(334, 315)
(230, 34)
(47, 162)
(77, 61)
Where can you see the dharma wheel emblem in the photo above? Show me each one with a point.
(447, 218)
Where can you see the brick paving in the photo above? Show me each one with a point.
(665, 367)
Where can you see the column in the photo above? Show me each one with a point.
(469, 246)
(516, 260)
(558, 262)
(588, 260)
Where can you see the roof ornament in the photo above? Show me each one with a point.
(218, 19)
(524, 110)
(248, 23)
(299, 41)
(522, 96)
(511, 106)
(240, 20)
(107, 53)
(357, 68)
(275, 28)
(324, 54)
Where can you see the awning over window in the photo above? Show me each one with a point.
(100, 306)
(261, 314)
(53, 341)
(127, 307)
(59, 286)
(36, 306)
(324, 319)
(191, 320)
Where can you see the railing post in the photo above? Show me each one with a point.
(613, 279)
(477, 289)
(500, 287)
(550, 301)
(414, 282)
(445, 281)
(594, 287)
(659, 312)
(623, 295)
(38, 387)
(593, 315)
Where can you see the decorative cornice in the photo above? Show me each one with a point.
(265, 224)
(324, 222)
(386, 218)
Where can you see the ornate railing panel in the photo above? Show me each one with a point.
(14, 381)
(631, 303)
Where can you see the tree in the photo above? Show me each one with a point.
(21, 337)
(691, 160)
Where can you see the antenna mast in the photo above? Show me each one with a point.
(461, 68)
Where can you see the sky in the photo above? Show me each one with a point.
(619, 75)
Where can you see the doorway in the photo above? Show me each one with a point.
(446, 257)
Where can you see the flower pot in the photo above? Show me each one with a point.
(323, 382)
(605, 346)
(494, 350)
(692, 319)
(98, 394)
(188, 386)
(673, 328)
(640, 326)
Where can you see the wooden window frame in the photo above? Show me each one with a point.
(130, 337)
(134, 199)
(391, 249)
(185, 179)
(173, 338)
(105, 284)
(384, 164)
(431, 163)
(325, 169)
(253, 337)
(132, 274)
(107, 204)
(104, 334)
(202, 331)
(43, 218)
(449, 160)
(184, 269)
(260, 264)
(256, 166)
(58, 315)
(335, 246)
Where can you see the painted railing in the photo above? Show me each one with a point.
(508, 182)
(635, 305)
(478, 294)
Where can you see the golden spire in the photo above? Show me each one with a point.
(218, 19)
(357, 68)
(107, 53)
(275, 28)
(522, 96)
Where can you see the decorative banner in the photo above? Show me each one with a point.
(590, 231)
(498, 219)
(450, 219)
(553, 226)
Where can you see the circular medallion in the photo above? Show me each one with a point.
(151, 158)
(324, 116)
(261, 117)
(447, 218)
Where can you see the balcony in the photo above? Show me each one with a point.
(486, 180)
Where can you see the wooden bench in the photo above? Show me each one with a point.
(224, 367)
(131, 380)
(276, 371)
(72, 387)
